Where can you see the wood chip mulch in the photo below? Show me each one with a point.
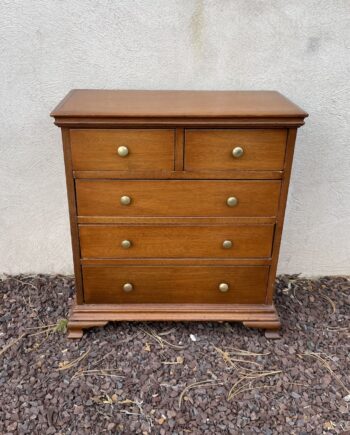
(174, 378)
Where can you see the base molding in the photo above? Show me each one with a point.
(86, 316)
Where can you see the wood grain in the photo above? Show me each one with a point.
(179, 150)
(292, 134)
(177, 198)
(179, 173)
(182, 175)
(96, 149)
(192, 284)
(89, 315)
(212, 104)
(212, 149)
(164, 220)
(177, 122)
(189, 220)
(72, 215)
(175, 241)
(155, 261)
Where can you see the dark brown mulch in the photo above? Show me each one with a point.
(140, 379)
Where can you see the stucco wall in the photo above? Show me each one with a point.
(47, 47)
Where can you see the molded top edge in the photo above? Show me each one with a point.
(93, 103)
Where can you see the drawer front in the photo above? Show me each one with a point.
(177, 198)
(235, 149)
(122, 150)
(175, 241)
(175, 284)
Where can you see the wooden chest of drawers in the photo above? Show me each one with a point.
(176, 202)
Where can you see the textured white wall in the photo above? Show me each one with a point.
(47, 47)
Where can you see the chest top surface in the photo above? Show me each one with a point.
(92, 104)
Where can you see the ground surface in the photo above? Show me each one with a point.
(136, 378)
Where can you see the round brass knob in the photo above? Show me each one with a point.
(125, 200)
(227, 244)
(224, 287)
(126, 244)
(232, 201)
(237, 152)
(123, 151)
(128, 287)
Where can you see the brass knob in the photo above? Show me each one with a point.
(125, 200)
(232, 201)
(227, 244)
(123, 151)
(237, 152)
(126, 244)
(128, 287)
(224, 287)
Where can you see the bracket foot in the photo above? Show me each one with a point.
(76, 327)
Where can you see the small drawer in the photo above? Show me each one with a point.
(175, 241)
(122, 149)
(175, 284)
(235, 149)
(176, 198)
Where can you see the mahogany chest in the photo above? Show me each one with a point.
(176, 202)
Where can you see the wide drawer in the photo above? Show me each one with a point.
(175, 241)
(246, 149)
(177, 198)
(175, 284)
(122, 150)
